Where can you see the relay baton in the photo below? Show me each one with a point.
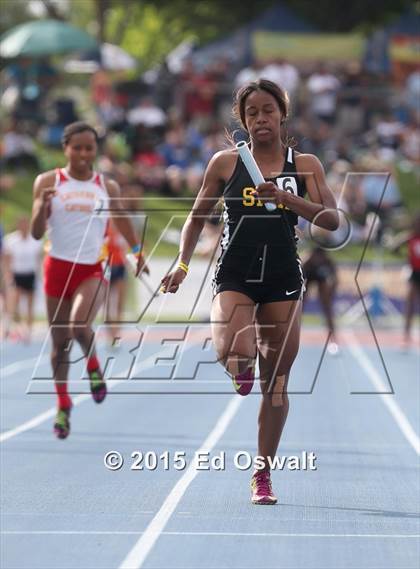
(132, 261)
(252, 168)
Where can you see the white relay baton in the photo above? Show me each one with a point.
(252, 168)
(132, 261)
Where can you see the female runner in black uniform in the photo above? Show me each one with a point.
(258, 283)
(319, 268)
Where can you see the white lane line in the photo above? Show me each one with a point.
(217, 534)
(38, 420)
(142, 548)
(16, 367)
(46, 415)
(387, 398)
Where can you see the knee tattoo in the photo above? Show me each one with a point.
(278, 391)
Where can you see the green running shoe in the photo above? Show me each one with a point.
(62, 423)
(97, 385)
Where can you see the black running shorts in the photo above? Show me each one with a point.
(25, 281)
(289, 287)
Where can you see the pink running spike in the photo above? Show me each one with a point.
(243, 382)
(262, 493)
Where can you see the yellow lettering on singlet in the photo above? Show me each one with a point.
(248, 199)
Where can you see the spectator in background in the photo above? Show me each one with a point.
(380, 190)
(320, 269)
(221, 73)
(302, 131)
(46, 75)
(324, 142)
(148, 114)
(22, 257)
(249, 74)
(149, 167)
(32, 79)
(61, 112)
(183, 159)
(115, 155)
(176, 157)
(18, 148)
(111, 114)
(100, 88)
(214, 141)
(198, 93)
(412, 88)
(174, 149)
(388, 131)
(147, 124)
(163, 88)
(349, 199)
(283, 74)
(351, 109)
(410, 140)
(323, 87)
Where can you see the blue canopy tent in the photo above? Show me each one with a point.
(237, 46)
(377, 56)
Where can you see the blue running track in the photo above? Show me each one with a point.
(61, 508)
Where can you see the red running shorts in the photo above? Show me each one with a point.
(63, 278)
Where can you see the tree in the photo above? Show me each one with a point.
(12, 14)
(53, 10)
(102, 8)
(149, 29)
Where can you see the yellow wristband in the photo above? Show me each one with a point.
(183, 266)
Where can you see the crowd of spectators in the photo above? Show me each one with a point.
(160, 130)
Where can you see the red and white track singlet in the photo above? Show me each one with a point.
(76, 226)
(414, 252)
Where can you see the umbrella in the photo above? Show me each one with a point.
(44, 37)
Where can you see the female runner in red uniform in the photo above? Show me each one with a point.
(412, 239)
(413, 295)
(65, 201)
(258, 283)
